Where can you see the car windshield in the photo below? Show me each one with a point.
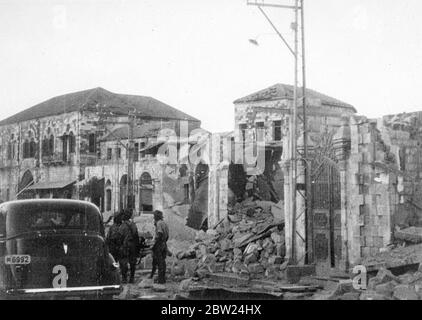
(38, 217)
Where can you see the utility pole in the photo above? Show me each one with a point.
(307, 163)
(293, 141)
(130, 194)
(293, 151)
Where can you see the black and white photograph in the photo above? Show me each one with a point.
(227, 152)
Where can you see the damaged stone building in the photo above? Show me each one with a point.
(365, 174)
(61, 148)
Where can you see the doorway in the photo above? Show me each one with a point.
(326, 214)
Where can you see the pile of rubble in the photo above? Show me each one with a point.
(250, 242)
(386, 286)
(411, 235)
(398, 270)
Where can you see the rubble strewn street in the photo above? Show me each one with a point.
(244, 256)
(213, 164)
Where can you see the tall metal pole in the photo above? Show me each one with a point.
(307, 164)
(293, 137)
(292, 156)
(130, 194)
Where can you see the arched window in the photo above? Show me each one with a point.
(32, 148)
(26, 149)
(45, 147)
(9, 151)
(146, 179)
(51, 145)
(11, 148)
(72, 142)
(108, 195)
(26, 180)
(65, 141)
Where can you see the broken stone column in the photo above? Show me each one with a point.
(218, 189)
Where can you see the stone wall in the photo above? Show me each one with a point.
(370, 192)
(382, 182)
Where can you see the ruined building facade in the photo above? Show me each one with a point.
(66, 147)
(366, 174)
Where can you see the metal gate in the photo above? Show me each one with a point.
(326, 213)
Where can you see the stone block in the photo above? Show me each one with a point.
(273, 272)
(185, 284)
(237, 252)
(365, 251)
(374, 251)
(218, 267)
(350, 296)
(372, 295)
(226, 244)
(159, 288)
(250, 258)
(343, 287)
(406, 278)
(256, 268)
(146, 283)
(178, 270)
(295, 273)
(369, 241)
(379, 242)
(277, 237)
(275, 260)
(405, 292)
(412, 235)
(277, 210)
(385, 289)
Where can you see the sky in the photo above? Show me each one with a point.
(195, 55)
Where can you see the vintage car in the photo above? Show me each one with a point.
(54, 248)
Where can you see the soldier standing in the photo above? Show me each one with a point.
(113, 237)
(129, 249)
(159, 249)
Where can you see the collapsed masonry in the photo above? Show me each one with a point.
(250, 241)
(366, 178)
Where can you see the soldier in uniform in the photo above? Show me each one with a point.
(129, 249)
(113, 238)
(159, 249)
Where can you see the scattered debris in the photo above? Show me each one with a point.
(411, 235)
(295, 273)
(399, 257)
(146, 283)
(159, 287)
(405, 292)
(250, 242)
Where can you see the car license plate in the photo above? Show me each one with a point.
(17, 259)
